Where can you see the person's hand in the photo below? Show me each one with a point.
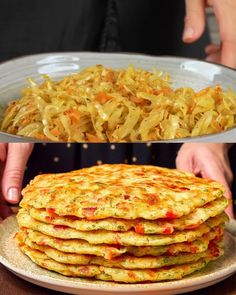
(208, 160)
(13, 159)
(225, 13)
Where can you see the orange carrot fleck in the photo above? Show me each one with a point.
(102, 97)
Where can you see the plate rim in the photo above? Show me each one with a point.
(124, 53)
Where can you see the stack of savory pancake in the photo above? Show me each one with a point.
(122, 223)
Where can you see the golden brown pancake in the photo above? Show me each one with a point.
(121, 191)
(122, 223)
(129, 238)
(116, 274)
(190, 221)
(124, 261)
(109, 252)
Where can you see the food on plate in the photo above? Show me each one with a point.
(125, 261)
(189, 221)
(114, 274)
(122, 238)
(82, 247)
(121, 191)
(101, 104)
(122, 223)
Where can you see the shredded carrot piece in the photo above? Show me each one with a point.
(103, 97)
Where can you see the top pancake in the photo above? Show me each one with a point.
(121, 191)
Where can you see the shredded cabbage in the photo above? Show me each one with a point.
(102, 104)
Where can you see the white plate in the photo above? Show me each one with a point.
(23, 267)
(183, 71)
